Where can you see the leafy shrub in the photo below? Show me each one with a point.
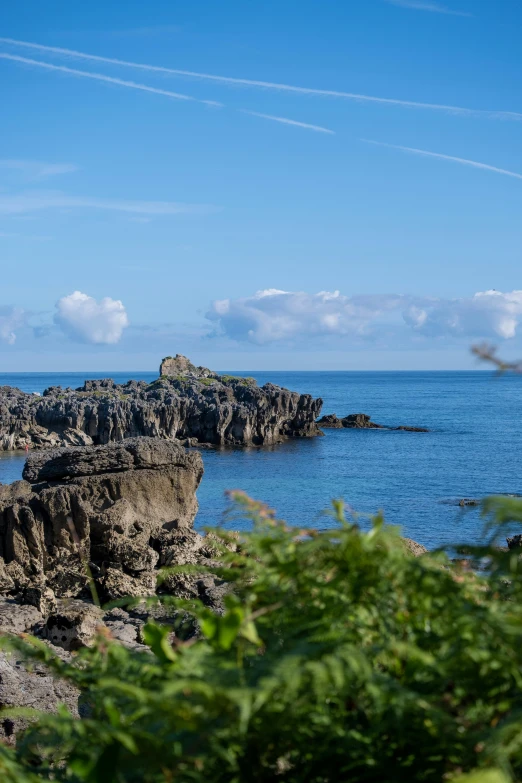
(339, 657)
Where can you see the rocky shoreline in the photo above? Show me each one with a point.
(98, 520)
(95, 520)
(189, 403)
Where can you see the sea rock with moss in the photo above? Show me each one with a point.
(186, 402)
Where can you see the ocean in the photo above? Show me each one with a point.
(474, 448)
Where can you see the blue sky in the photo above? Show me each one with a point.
(134, 223)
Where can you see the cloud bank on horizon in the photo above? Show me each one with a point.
(272, 316)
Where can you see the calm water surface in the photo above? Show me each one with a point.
(474, 448)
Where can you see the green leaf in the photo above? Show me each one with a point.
(156, 637)
(483, 776)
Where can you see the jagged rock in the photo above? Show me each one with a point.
(17, 619)
(361, 421)
(413, 547)
(96, 505)
(35, 688)
(43, 598)
(180, 365)
(73, 625)
(105, 516)
(330, 421)
(514, 542)
(116, 584)
(187, 402)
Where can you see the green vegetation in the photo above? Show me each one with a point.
(244, 381)
(157, 383)
(207, 381)
(340, 657)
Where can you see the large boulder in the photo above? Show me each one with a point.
(179, 365)
(89, 523)
(99, 505)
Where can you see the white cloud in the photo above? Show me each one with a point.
(425, 5)
(36, 169)
(490, 314)
(84, 319)
(463, 161)
(264, 85)
(32, 201)
(271, 316)
(286, 121)
(103, 78)
(10, 319)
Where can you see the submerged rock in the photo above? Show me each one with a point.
(330, 421)
(187, 402)
(361, 421)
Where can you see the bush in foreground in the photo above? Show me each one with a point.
(340, 657)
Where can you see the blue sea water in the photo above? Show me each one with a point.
(474, 448)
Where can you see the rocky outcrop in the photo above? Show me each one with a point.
(413, 547)
(179, 365)
(95, 520)
(188, 403)
(514, 542)
(112, 507)
(360, 421)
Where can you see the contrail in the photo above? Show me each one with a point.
(464, 161)
(102, 78)
(286, 121)
(267, 85)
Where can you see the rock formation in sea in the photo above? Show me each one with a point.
(185, 402)
(360, 421)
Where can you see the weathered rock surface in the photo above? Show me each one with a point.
(32, 687)
(187, 402)
(360, 421)
(180, 365)
(414, 547)
(108, 516)
(109, 506)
